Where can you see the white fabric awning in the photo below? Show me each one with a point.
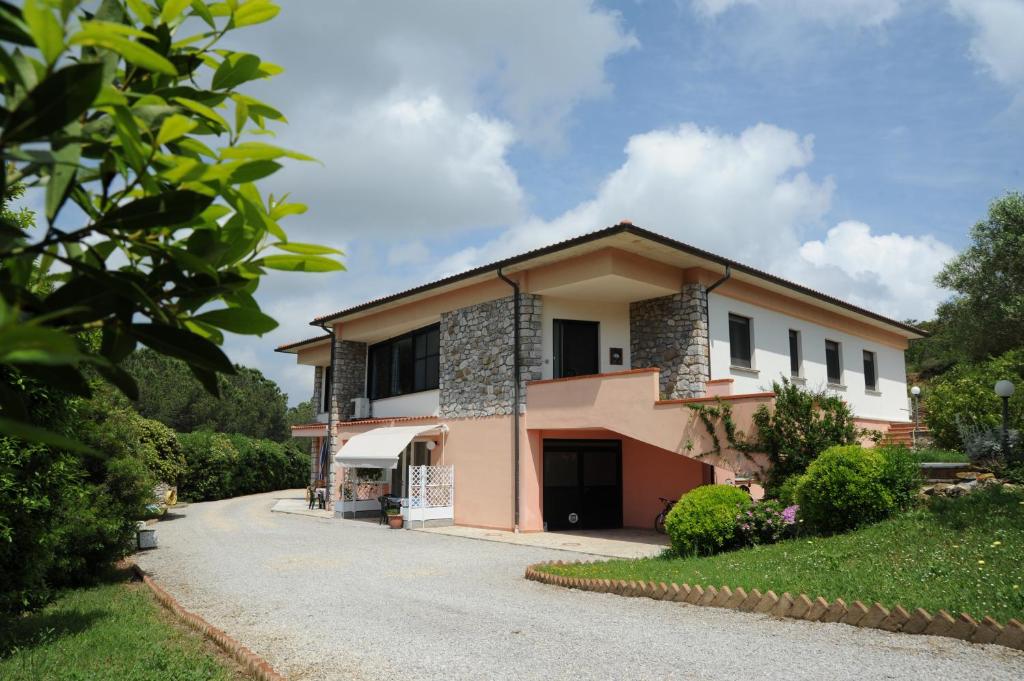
(380, 447)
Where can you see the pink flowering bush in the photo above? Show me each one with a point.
(766, 522)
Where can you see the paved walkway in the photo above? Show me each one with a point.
(299, 506)
(606, 543)
(324, 599)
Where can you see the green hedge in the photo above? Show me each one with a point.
(966, 394)
(220, 466)
(703, 521)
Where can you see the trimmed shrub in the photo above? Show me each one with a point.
(843, 488)
(221, 466)
(901, 475)
(703, 521)
(785, 493)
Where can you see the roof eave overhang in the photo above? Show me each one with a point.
(524, 260)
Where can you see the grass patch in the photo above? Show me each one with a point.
(935, 455)
(113, 631)
(960, 555)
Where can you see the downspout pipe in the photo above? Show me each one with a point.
(330, 415)
(707, 308)
(515, 388)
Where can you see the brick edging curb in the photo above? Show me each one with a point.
(252, 663)
(802, 607)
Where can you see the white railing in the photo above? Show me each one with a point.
(431, 493)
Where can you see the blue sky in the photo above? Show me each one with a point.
(846, 144)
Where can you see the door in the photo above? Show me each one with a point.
(582, 484)
(575, 348)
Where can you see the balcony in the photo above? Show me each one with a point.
(626, 402)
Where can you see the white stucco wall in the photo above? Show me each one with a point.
(770, 360)
(424, 403)
(612, 333)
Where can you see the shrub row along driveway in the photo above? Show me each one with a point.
(328, 599)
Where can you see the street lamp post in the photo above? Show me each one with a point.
(916, 392)
(1004, 389)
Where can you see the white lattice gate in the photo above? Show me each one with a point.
(431, 493)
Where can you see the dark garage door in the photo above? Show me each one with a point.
(582, 484)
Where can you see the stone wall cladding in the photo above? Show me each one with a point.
(476, 377)
(348, 377)
(318, 383)
(671, 333)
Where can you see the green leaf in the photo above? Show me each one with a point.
(261, 150)
(63, 171)
(13, 28)
(133, 52)
(203, 110)
(166, 210)
(237, 68)
(173, 127)
(37, 345)
(173, 9)
(307, 249)
(61, 98)
(141, 10)
(255, 12)
(252, 171)
(185, 345)
(46, 30)
(203, 12)
(242, 320)
(300, 263)
(29, 433)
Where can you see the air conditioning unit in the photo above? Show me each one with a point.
(361, 408)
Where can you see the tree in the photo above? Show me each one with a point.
(249, 403)
(985, 317)
(130, 119)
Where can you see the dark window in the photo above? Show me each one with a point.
(576, 348)
(739, 340)
(326, 406)
(794, 352)
(832, 363)
(870, 374)
(405, 364)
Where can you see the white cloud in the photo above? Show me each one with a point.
(891, 274)
(998, 42)
(747, 197)
(742, 195)
(831, 12)
(402, 167)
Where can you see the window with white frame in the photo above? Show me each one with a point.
(794, 353)
(870, 371)
(740, 346)
(834, 362)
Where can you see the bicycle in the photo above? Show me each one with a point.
(659, 520)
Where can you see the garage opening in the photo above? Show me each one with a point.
(582, 484)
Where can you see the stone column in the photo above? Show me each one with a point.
(476, 377)
(671, 333)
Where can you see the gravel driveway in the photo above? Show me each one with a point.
(326, 599)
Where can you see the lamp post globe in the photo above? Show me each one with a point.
(1005, 389)
(915, 391)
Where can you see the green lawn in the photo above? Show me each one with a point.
(961, 555)
(113, 631)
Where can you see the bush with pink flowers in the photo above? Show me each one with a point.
(766, 522)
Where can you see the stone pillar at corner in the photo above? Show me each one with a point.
(671, 333)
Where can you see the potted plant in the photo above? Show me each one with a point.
(395, 519)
